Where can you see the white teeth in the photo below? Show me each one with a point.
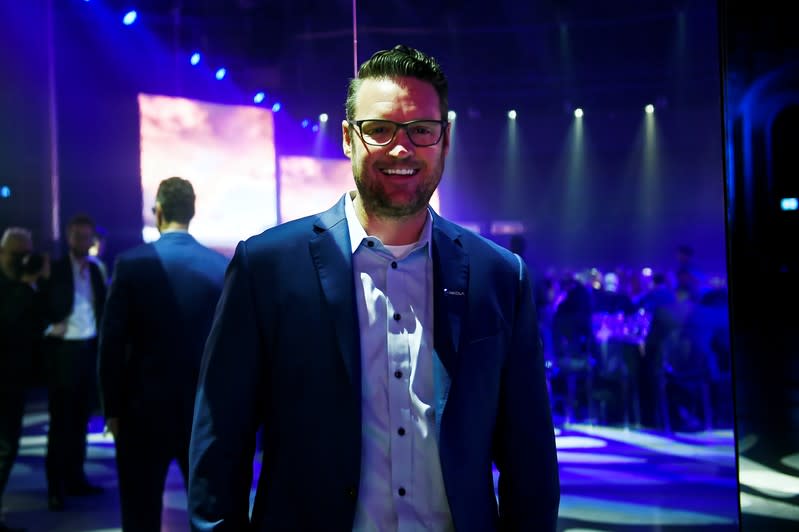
(399, 171)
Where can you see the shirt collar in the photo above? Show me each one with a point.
(358, 233)
(78, 264)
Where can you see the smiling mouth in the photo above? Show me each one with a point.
(400, 171)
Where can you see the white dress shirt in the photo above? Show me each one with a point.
(81, 323)
(401, 485)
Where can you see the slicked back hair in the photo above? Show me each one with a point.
(400, 61)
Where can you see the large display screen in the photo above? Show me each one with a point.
(228, 154)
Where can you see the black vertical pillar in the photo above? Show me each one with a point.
(760, 50)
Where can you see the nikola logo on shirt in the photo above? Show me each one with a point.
(448, 292)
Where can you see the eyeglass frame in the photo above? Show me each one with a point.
(400, 125)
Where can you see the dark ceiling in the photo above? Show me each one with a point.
(545, 54)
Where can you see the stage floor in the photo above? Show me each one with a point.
(612, 479)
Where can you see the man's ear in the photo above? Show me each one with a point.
(346, 139)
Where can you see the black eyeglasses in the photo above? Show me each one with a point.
(422, 133)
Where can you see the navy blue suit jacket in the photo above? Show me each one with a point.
(284, 351)
(157, 316)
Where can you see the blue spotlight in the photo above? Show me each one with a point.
(315, 128)
(323, 117)
(276, 107)
(195, 58)
(259, 97)
(304, 123)
(220, 74)
(789, 204)
(5, 191)
(129, 18)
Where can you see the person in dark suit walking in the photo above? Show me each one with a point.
(390, 355)
(74, 295)
(159, 310)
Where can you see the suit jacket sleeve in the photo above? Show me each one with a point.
(226, 415)
(113, 342)
(525, 453)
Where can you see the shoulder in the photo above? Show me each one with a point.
(139, 252)
(477, 246)
(212, 258)
(135, 260)
(286, 235)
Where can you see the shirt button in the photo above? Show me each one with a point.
(394, 264)
(401, 431)
(401, 492)
(370, 243)
(398, 374)
(397, 316)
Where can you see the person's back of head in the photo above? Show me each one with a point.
(176, 198)
(398, 62)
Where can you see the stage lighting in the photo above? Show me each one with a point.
(452, 115)
(259, 97)
(276, 107)
(789, 204)
(129, 18)
(220, 74)
(578, 113)
(323, 117)
(649, 109)
(512, 114)
(5, 191)
(195, 58)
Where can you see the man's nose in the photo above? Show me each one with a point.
(403, 147)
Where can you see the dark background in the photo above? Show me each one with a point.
(68, 108)
(608, 201)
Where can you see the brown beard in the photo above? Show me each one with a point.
(376, 201)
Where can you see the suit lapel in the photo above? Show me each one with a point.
(332, 256)
(450, 281)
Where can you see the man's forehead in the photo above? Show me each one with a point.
(81, 227)
(387, 90)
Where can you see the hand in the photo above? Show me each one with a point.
(112, 426)
(57, 330)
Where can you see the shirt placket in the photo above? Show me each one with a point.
(399, 370)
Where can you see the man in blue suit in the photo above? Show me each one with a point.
(389, 355)
(159, 310)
